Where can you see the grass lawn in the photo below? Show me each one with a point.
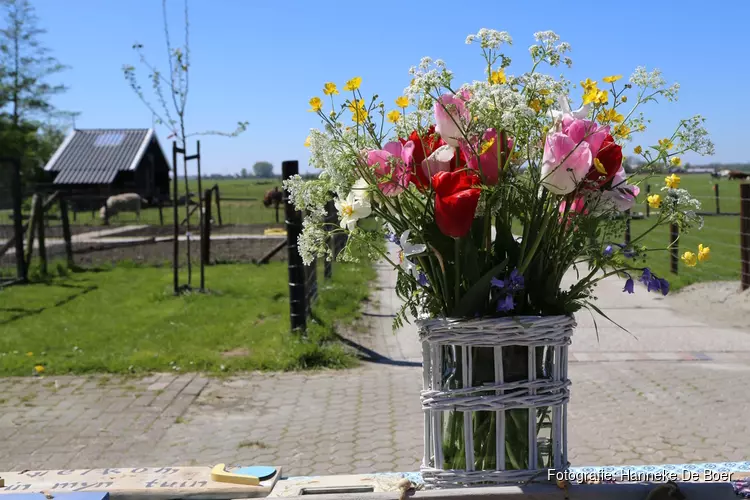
(126, 320)
(720, 233)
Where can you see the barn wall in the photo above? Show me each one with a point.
(152, 174)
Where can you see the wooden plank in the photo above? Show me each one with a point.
(135, 483)
(66, 231)
(33, 221)
(40, 227)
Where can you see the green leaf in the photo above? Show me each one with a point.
(595, 308)
(475, 298)
(470, 264)
(370, 223)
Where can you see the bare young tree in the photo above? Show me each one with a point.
(169, 101)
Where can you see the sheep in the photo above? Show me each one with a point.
(128, 202)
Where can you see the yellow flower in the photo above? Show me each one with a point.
(402, 101)
(549, 101)
(676, 161)
(703, 253)
(307, 142)
(588, 85)
(589, 96)
(359, 113)
(666, 144)
(535, 105)
(393, 116)
(638, 150)
(29, 354)
(599, 167)
(544, 92)
(315, 104)
(609, 116)
(654, 201)
(641, 127)
(39, 368)
(498, 77)
(354, 83)
(595, 95)
(621, 131)
(690, 259)
(624, 98)
(612, 79)
(330, 88)
(673, 181)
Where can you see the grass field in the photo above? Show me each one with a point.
(720, 233)
(250, 210)
(126, 320)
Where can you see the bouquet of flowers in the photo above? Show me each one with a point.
(493, 190)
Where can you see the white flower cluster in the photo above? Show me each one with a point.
(642, 78)
(312, 242)
(308, 196)
(490, 39)
(692, 135)
(680, 207)
(544, 84)
(427, 80)
(416, 120)
(546, 50)
(498, 105)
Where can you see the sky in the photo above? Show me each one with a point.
(261, 61)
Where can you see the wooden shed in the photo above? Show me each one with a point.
(103, 162)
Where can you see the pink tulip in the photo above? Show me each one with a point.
(439, 161)
(622, 195)
(577, 207)
(487, 161)
(565, 163)
(392, 166)
(585, 130)
(452, 116)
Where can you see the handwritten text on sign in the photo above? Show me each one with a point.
(140, 478)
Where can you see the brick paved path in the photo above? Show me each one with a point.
(675, 394)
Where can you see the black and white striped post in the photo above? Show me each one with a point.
(293, 222)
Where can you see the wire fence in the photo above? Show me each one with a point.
(725, 230)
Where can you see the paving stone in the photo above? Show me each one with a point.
(647, 403)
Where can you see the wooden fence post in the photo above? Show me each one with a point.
(176, 220)
(40, 227)
(716, 193)
(293, 219)
(218, 203)
(745, 234)
(66, 231)
(648, 207)
(674, 254)
(31, 231)
(161, 212)
(205, 236)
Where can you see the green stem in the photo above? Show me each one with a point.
(457, 270)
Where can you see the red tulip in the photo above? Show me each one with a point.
(455, 202)
(610, 159)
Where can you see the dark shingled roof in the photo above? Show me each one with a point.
(96, 156)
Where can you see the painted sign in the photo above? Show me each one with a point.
(121, 483)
